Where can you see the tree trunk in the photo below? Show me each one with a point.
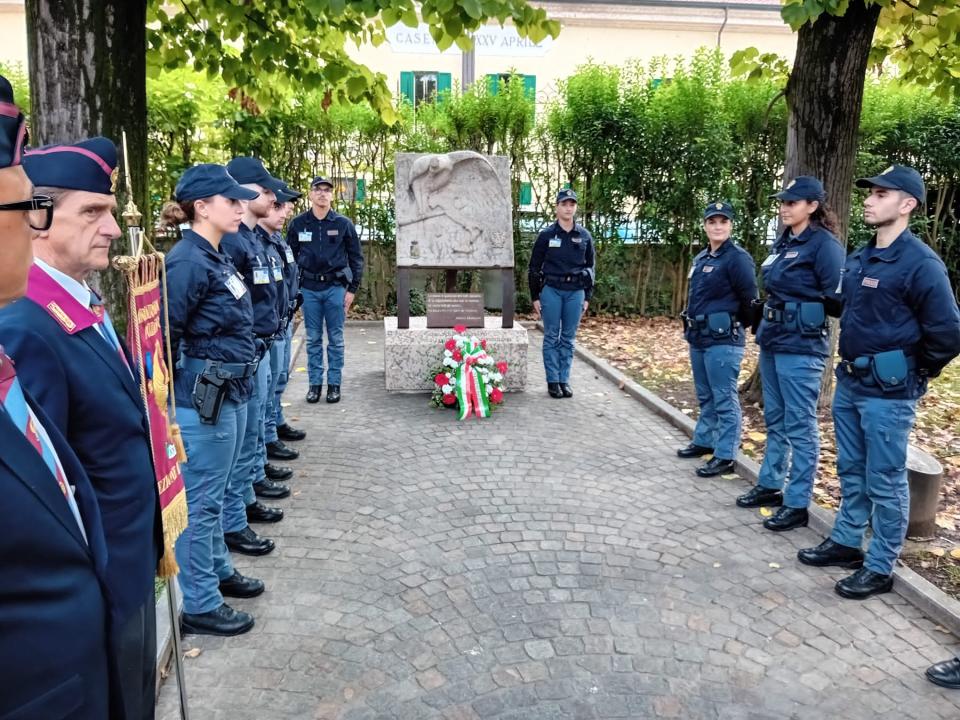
(825, 97)
(88, 77)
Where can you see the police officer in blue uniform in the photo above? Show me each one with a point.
(560, 277)
(285, 431)
(53, 610)
(723, 286)
(328, 252)
(259, 266)
(83, 380)
(899, 327)
(211, 330)
(800, 274)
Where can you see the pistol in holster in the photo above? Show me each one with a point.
(209, 392)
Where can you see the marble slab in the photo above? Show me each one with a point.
(410, 354)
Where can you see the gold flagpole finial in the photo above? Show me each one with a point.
(131, 213)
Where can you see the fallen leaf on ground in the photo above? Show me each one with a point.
(730, 476)
(775, 566)
(301, 369)
(757, 436)
(716, 564)
(955, 553)
(192, 653)
(938, 552)
(766, 512)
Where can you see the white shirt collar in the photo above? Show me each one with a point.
(79, 291)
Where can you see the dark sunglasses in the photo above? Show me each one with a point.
(39, 211)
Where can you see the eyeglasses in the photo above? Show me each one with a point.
(39, 211)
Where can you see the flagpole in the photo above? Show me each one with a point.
(177, 651)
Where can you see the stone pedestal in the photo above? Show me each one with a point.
(409, 355)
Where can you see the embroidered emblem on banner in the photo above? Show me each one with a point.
(61, 316)
(870, 282)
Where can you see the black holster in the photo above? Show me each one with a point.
(209, 392)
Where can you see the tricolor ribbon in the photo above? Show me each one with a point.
(470, 387)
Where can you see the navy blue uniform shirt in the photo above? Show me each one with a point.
(291, 271)
(560, 255)
(210, 312)
(805, 268)
(249, 256)
(898, 298)
(274, 253)
(326, 247)
(723, 281)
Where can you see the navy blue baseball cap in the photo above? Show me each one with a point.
(250, 171)
(206, 180)
(89, 165)
(13, 129)
(898, 177)
(718, 208)
(287, 194)
(321, 181)
(803, 187)
(566, 194)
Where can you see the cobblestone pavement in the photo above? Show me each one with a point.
(554, 561)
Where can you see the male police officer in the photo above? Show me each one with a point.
(899, 327)
(328, 252)
(53, 611)
(252, 260)
(72, 361)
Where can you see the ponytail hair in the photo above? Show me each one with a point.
(175, 215)
(825, 217)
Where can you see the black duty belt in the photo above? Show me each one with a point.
(319, 277)
(227, 371)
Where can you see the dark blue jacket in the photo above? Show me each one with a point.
(898, 298)
(563, 260)
(801, 269)
(720, 282)
(333, 248)
(291, 271)
(53, 607)
(207, 321)
(246, 249)
(94, 401)
(274, 252)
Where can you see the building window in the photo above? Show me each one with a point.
(496, 80)
(526, 194)
(350, 190)
(423, 85)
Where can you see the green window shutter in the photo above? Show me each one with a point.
(407, 87)
(530, 86)
(361, 190)
(444, 85)
(526, 193)
(493, 84)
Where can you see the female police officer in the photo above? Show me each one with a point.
(801, 272)
(561, 282)
(211, 328)
(723, 285)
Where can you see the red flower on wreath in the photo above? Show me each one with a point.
(502, 367)
(449, 399)
(483, 343)
(496, 397)
(441, 379)
(450, 345)
(459, 329)
(457, 356)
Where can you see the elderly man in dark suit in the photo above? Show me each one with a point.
(71, 359)
(53, 612)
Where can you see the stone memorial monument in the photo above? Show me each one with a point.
(454, 212)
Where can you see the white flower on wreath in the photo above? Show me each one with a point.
(450, 362)
(496, 377)
(447, 353)
(489, 389)
(446, 389)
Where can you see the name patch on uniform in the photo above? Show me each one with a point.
(870, 282)
(236, 287)
(791, 254)
(289, 253)
(305, 236)
(261, 276)
(575, 238)
(555, 242)
(333, 232)
(61, 316)
(708, 268)
(771, 259)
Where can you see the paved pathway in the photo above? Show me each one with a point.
(554, 561)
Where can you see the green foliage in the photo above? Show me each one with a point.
(271, 49)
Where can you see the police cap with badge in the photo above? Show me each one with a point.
(319, 180)
(89, 165)
(250, 171)
(566, 194)
(804, 187)
(207, 180)
(723, 209)
(898, 177)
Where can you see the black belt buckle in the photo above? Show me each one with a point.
(770, 315)
(568, 278)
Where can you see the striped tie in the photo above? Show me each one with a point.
(109, 334)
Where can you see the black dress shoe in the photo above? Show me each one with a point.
(555, 390)
(945, 674)
(277, 472)
(247, 542)
(313, 394)
(566, 389)
(760, 497)
(864, 583)
(290, 434)
(694, 451)
(240, 586)
(276, 450)
(787, 518)
(830, 553)
(715, 467)
(223, 621)
(333, 393)
(257, 512)
(270, 490)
